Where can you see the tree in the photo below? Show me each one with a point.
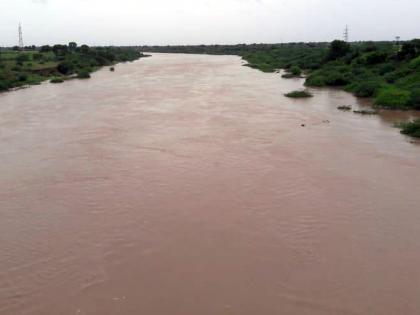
(72, 46)
(22, 58)
(338, 49)
(295, 70)
(65, 67)
(84, 49)
(60, 50)
(45, 48)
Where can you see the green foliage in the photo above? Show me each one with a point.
(375, 57)
(338, 49)
(315, 80)
(336, 78)
(295, 70)
(72, 46)
(299, 94)
(22, 58)
(393, 98)
(83, 74)
(415, 97)
(415, 63)
(366, 88)
(411, 128)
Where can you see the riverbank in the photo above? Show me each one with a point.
(58, 63)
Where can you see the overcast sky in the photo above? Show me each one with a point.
(167, 22)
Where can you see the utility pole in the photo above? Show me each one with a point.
(20, 37)
(346, 34)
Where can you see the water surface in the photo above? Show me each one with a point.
(185, 184)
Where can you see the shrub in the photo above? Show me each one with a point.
(22, 58)
(338, 49)
(37, 56)
(65, 67)
(386, 68)
(299, 94)
(56, 80)
(411, 128)
(21, 77)
(415, 63)
(366, 88)
(415, 97)
(335, 78)
(393, 98)
(83, 74)
(295, 70)
(376, 57)
(315, 80)
(4, 86)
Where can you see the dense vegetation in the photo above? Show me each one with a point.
(387, 71)
(411, 128)
(36, 64)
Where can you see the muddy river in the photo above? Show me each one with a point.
(187, 185)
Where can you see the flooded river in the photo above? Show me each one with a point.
(185, 184)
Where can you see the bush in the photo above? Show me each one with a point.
(4, 86)
(366, 88)
(376, 57)
(415, 63)
(415, 98)
(83, 74)
(393, 98)
(411, 128)
(65, 67)
(335, 78)
(22, 58)
(295, 70)
(338, 49)
(56, 80)
(315, 80)
(299, 94)
(21, 77)
(386, 68)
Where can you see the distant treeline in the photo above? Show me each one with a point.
(33, 65)
(387, 71)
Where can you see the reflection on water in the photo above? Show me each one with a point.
(185, 184)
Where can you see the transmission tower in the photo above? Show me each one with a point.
(346, 34)
(20, 37)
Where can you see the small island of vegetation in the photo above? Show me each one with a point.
(57, 63)
(299, 94)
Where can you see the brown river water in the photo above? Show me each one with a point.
(185, 184)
